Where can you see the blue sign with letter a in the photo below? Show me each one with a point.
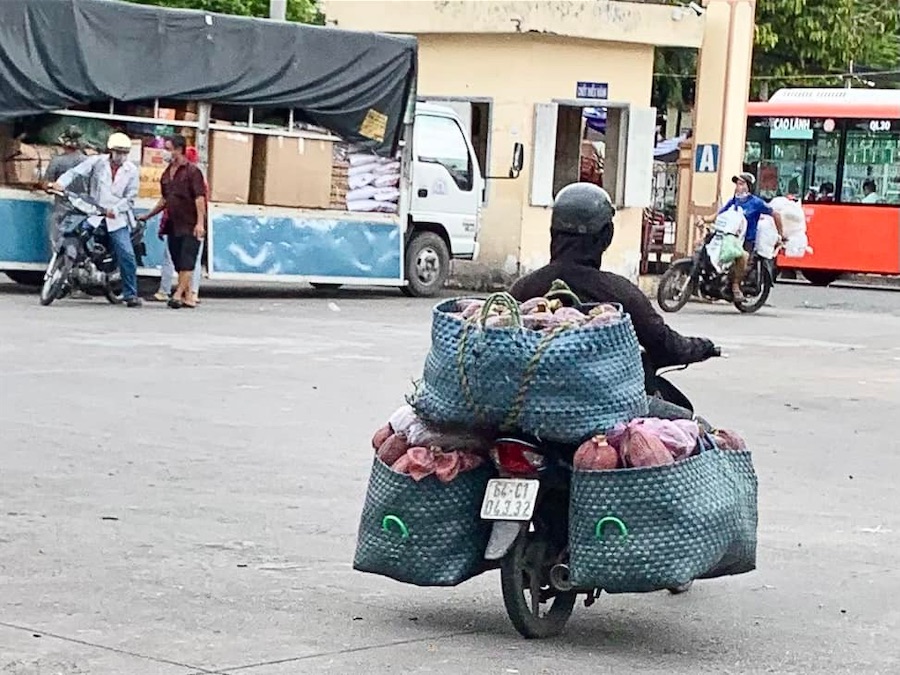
(706, 159)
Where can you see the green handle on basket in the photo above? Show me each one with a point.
(503, 300)
(386, 523)
(598, 531)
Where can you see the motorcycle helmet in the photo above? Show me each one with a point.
(118, 142)
(748, 178)
(582, 208)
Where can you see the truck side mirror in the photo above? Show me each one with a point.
(518, 160)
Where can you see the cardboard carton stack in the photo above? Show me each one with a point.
(292, 172)
(340, 176)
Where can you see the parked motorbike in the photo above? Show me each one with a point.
(698, 276)
(85, 259)
(529, 507)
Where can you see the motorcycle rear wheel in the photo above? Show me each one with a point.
(55, 279)
(675, 287)
(525, 570)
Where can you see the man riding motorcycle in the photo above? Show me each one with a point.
(752, 207)
(581, 229)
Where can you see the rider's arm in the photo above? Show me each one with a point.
(711, 219)
(778, 223)
(664, 346)
(84, 169)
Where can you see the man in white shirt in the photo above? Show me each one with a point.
(113, 182)
(870, 194)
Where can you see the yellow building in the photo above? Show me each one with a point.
(513, 68)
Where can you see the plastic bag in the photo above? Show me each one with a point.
(731, 249)
(679, 436)
(731, 222)
(766, 237)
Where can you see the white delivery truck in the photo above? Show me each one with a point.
(285, 133)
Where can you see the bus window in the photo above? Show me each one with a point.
(872, 162)
(823, 162)
(794, 156)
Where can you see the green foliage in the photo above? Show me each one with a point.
(304, 11)
(797, 38)
(811, 37)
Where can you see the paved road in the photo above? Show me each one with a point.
(179, 493)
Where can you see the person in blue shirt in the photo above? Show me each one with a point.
(752, 207)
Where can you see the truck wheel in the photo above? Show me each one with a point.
(427, 265)
(26, 277)
(821, 277)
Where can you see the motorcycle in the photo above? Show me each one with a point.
(528, 505)
(85, 260)
(699, 276)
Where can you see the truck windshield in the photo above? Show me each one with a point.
(440, 140)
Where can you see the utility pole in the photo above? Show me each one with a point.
(278, 10)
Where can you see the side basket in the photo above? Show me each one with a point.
(425, 533)
(643, 530)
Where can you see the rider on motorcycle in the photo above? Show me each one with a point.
(753, 207)
(581, 230)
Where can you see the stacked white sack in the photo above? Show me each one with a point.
(374, 183)
(793, 222)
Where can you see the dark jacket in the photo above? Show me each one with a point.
(575, 259)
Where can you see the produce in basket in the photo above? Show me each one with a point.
(420, 462)
(537, 313)
(595, 454)
(641, 449)
(393, 448)
(381, 436)
(729, 440)
(680, 437)
(404, 421)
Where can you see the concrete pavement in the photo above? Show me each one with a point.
(180, 490)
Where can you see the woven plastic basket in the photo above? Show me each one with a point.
(426, 533)
(560, 385)
(642, 530)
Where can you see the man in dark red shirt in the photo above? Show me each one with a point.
(184, 200)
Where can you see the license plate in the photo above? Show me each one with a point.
(509, 499)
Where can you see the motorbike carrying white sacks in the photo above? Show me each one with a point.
(793, 222)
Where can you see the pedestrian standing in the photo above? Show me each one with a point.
(167, 269)
(184, 201)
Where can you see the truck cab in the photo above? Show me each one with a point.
(445, 200)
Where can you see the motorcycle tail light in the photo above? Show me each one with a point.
(516, 458)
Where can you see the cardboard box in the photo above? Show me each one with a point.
(230, 162)
(154, 157)
(294, 172)
(26, 164)
(149, 185)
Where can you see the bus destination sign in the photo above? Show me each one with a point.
(799, 128)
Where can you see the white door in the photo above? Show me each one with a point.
(446, 181)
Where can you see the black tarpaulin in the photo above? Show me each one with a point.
(58, 53)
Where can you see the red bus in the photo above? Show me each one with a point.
(838, 150)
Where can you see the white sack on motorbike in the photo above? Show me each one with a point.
(793, 223)
(730, 222)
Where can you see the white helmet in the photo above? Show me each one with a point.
(118, 141)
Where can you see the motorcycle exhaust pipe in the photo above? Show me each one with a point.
(560, 578)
